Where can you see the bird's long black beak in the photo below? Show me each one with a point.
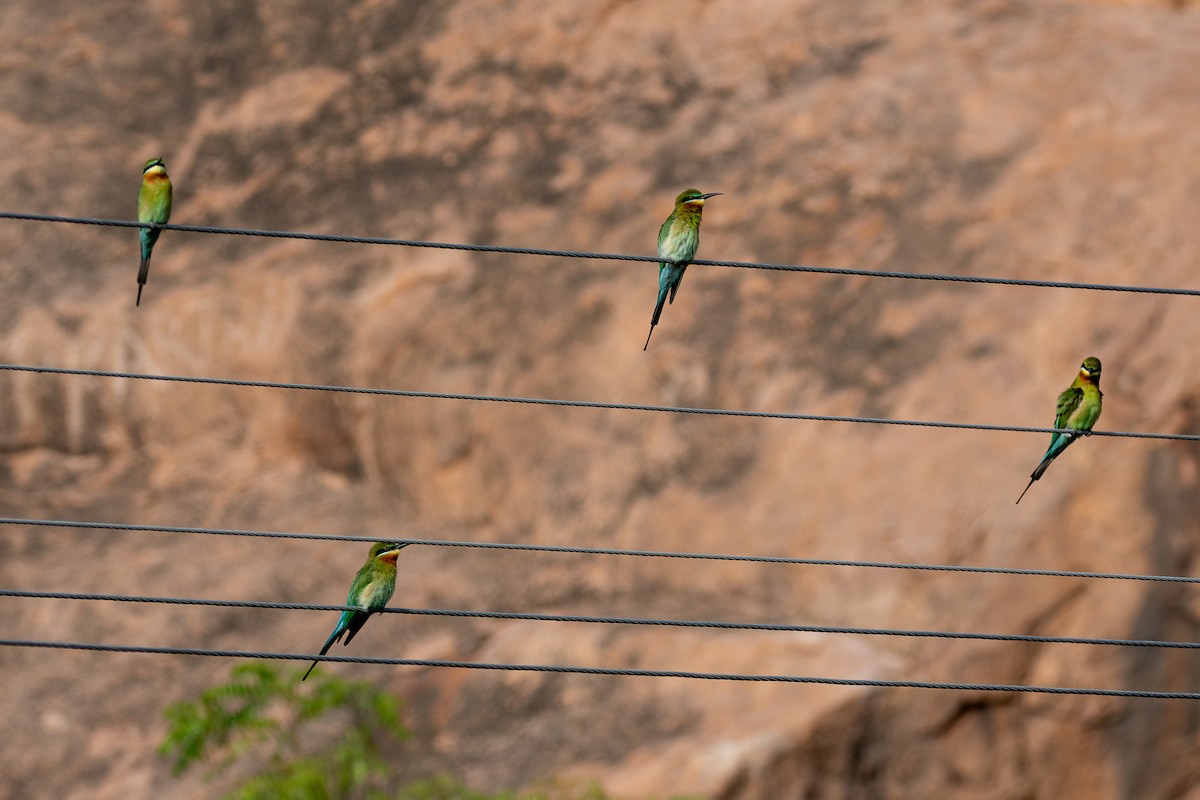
(710, 194)
(396, 547)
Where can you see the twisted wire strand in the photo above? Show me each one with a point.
(636, 673)
(545, 548)
(583, 254)
(541, 401)
(575, 618)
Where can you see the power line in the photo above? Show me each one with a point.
(574, 618)
(536, 251)
(545, 548)
(541, 401)
(635, 673)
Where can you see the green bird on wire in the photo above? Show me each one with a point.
(1078, 409)
(154, 205)
(372, 588)
(678, 239)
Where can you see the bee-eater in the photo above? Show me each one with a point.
(678, 239)
(154, 205)
(372, 588)
(1078, 409)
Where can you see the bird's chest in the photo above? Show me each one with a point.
(156, 186)
(376, 593)
(680, 239)
(1085, 414)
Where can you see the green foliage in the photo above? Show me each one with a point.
(447, 788)
(258, 719)
(262, 720)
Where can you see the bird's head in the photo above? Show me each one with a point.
(1090, 368)
(155, 166)
(387, 551)
(694, 197)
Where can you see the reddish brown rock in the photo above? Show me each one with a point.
(1047, 140)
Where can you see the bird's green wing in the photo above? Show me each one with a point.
(665, 230)
(1068, 401)
(362, 580)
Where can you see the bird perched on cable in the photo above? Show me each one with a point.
(678, 239)
(369, 593)
(1078, 409)
(154, 205)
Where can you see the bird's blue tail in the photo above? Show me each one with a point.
(1057, 445)
(148, 236)
(143, 271)
(668, 281)
(338, 630)
(675, 285)
(1053, 452)
(658, 309)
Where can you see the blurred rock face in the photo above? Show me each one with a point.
(1047, 140)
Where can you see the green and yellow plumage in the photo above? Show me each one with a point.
(1077, 410)
(678, 239)
(154, 205)
(370, 591)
